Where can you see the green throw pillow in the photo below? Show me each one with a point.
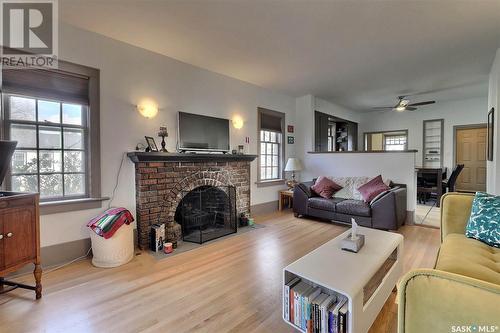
(484, 221)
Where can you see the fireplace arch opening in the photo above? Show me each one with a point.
(206, 213)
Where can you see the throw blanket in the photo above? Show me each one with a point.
(106, 224)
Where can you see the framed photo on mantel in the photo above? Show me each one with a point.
(491, 133)
(151, 144)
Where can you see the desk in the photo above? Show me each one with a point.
(430, 180)
(286, 198)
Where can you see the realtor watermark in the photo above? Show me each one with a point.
(474, 328)
(28, 33)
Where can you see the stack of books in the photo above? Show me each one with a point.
(313, 310)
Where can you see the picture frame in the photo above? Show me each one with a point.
(291, 140)
(151, 144)
(491, 133)
(290, 128)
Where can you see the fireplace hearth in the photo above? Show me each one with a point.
(206, 213)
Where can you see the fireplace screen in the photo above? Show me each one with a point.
(206, 213)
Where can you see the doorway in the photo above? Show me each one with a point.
(470, 150)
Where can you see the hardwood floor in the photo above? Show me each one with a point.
(233, 285)
(428, 216)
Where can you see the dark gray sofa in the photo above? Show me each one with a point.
(387, 212)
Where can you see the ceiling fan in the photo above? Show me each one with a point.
(404, 105)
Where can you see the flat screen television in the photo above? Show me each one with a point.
(6, 150)
(202, 133)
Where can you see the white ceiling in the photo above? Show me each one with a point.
(355, 53)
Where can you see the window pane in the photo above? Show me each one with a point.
(72, 114)
(22, 108)
(50, 161)
(24, 161)
(73, 161)
(263, 161)
(73, 138)
(51, 185)
(269, 148)
(275, 160)
(269, 173)
(262, 148)
(269, 160)
(272, 137)
(275, 172)
(25, 135)
(49, 112)
(261, 135)
(25, 183)
(276, 149)
(74, 184)
(266, 136)
(50, 137)
(263, 173)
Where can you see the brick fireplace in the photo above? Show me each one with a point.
(162, 179)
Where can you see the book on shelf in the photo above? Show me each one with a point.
(324, 312)
(343, 318)
(286, 297)
(298, 290)
(316, 325)
(303, 308)
(308, 299)
(335, 314)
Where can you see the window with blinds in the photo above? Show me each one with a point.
(52, 116)
(271, 147)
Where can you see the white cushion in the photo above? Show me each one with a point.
(349, 187)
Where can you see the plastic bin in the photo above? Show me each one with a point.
(115, 251)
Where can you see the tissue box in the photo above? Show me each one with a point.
(347, 244)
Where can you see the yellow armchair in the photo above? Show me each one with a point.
(463, 291)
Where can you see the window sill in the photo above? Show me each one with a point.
(266, 183)
(63, 206)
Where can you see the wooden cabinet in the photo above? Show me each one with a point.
(19, 237)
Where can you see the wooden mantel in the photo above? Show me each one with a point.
(138, 156)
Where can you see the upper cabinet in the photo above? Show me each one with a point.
(432, 153)
(334, 134)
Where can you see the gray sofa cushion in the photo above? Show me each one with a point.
(354, 207)
(324, 204)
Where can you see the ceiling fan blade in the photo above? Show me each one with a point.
(410, 108)
(383, 108)
(422, 103)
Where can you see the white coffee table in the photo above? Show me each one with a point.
(366, 278)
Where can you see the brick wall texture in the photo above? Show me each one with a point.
(161, 185)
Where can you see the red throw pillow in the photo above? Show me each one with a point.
(373, 188)
(325, 187)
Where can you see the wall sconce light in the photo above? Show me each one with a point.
(148, 109)
(237, 122)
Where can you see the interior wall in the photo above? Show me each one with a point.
(129, 74)
(493, 170)
(305, 108)
(459, 112)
